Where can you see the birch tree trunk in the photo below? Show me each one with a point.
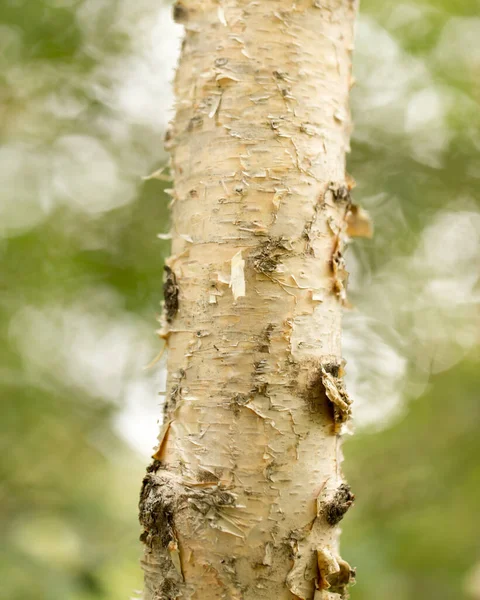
(245, 493)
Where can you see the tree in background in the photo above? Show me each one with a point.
(246, 491)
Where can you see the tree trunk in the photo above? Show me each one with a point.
(245, 492)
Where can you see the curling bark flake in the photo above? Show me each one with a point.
(245, 492)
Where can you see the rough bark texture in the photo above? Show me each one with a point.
(245, 494)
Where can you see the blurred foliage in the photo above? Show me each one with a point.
(414, 532)
(84, 101)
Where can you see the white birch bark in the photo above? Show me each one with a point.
(246, 490)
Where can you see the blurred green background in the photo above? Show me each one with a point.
(84, 101)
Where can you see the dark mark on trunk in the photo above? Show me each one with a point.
(156, 508)
(267, 256)
(170, 293)
(180, 13)
(335, 509)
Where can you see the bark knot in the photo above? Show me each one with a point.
(334, 510)
(170, 294)
(156, 510)
(334, 387)
(267, 256)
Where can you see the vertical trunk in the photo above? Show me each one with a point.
(246, 491)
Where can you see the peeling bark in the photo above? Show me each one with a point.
(246, 491)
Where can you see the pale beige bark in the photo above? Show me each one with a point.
(246, 491)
